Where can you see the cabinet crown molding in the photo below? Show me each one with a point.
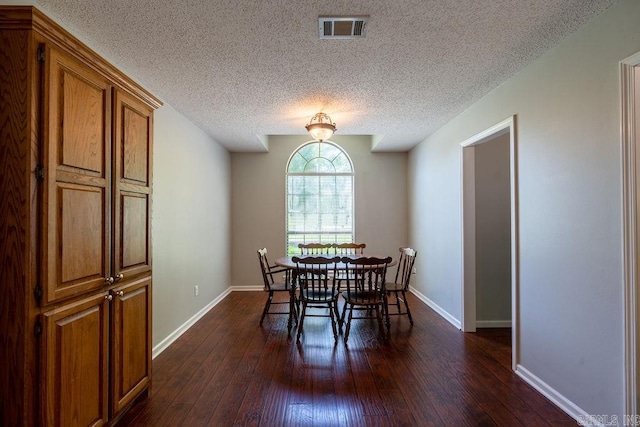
(31, 18)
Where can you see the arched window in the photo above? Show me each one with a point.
(319, 196)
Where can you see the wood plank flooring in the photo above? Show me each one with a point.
(227, 370)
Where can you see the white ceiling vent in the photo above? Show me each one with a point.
(342, 27)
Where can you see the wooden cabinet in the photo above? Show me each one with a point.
(131, 338)
(75, 229)
(133, 127)
(75, 343)
(76, 176)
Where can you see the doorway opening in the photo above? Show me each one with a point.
(489, 231)
(630, 97)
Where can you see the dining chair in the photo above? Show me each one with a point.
(315, 275)
(365, 290)
(316, 248)
(347, 249)
(272, 286)
(400, 286)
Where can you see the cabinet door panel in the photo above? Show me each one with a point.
(76, 193)
(135, 144)
(132, 184)
(79, 251)
(82, 123)
(74, 353)
(77, 102)
(131, 342)
(82, 240)
(134, 217)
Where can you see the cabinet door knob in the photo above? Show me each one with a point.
(118, 293)
(108, 297)
(119, 277)
(109, 280)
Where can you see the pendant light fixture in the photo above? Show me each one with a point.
(321, 127)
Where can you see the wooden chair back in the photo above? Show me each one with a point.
(269, 270)
(365, 279)
(315, 276)
(405, 267)
(316, 248)
(267, 277)
(349, 248)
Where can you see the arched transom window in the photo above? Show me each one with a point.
(319, 196)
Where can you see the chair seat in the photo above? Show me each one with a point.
(320, 296)
(393, 286)
(279, 287)
(368, 297)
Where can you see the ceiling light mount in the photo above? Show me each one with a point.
(321, 127)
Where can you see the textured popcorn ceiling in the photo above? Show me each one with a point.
(246, 69)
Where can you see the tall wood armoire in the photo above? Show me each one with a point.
(75, 229)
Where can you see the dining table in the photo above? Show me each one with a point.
(287, 262)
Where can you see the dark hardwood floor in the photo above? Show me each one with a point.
(226, 370)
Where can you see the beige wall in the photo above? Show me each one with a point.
(493, 231)
(258, 201)
(568, 146)
(190, 222)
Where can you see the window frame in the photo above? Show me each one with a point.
(287, 194)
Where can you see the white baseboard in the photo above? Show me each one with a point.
(247, 288)
(554, 396)
(441, 311)
(493, 323)
(162, 345)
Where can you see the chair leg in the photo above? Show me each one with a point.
(304, 311)
(406, 305)
(337, 313)
(292, 312)
(346, 332)
(293, 307)
(267, 304)
(344, 311)
(333, 321)
(385, 311)
(379, 317)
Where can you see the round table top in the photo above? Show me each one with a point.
(287, 261)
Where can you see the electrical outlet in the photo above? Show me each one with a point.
(415, 270)
(195, 291)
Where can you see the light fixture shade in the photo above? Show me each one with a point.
(321, 127)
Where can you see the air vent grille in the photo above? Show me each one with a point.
(342, 27)
(358, 26)
(328, 28)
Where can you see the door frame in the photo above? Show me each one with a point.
(468, 219)
(630, 171)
